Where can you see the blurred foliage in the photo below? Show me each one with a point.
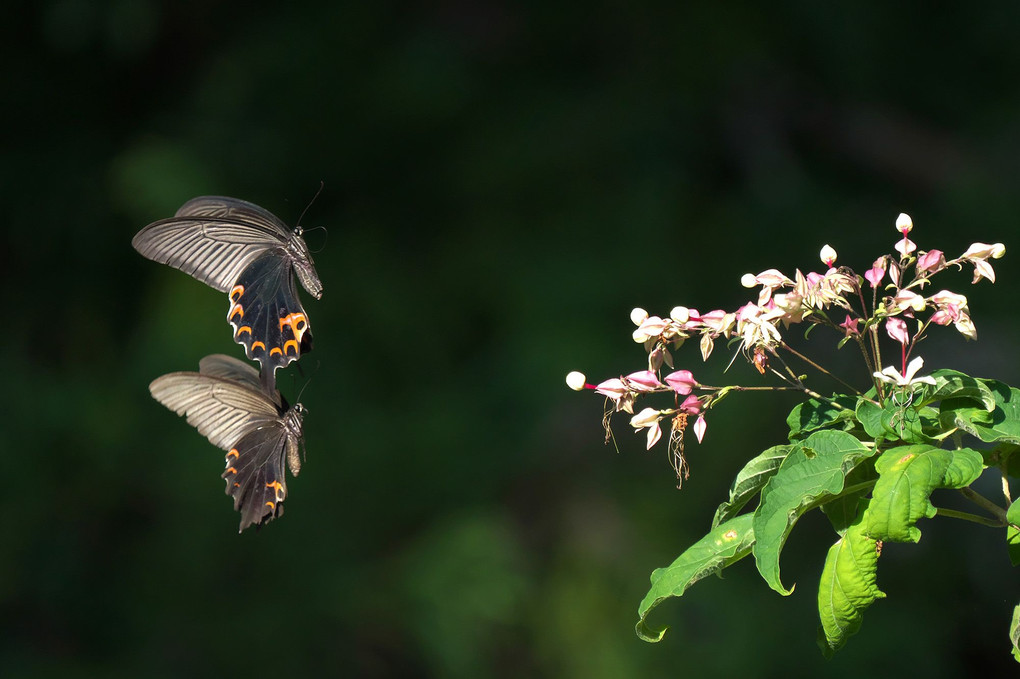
(503, 182)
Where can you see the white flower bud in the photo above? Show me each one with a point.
(576, 380)
(827, 255)
(638, 315)
(904, 223)
(749, 280)
(680, 314)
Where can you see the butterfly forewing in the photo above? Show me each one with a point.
(235, 209)
(227, 367)
(215, 251)
(222, 410)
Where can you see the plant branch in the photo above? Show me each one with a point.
(953, 514)
(986, 504)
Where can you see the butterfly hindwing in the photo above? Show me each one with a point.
(267, 316)
(254, 474)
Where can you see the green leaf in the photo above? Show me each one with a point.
(1001, 424)
(1013, 532)
(842, 510)
(1014, 633)
(909, 423)
(749, 482)
(814, 470)
(907, 477)
(956, 385)
(724, 545)
(815, 414)
(847, 585)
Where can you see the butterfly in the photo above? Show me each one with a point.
(246, 251)
(225, 401)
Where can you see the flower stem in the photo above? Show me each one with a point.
(814, 365)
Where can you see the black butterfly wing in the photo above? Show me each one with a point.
(254, 474)
(213, 245)
(236, 416)
(267, 316)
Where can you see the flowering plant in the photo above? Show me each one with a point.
(868, 460)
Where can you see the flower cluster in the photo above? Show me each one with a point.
(895, 281)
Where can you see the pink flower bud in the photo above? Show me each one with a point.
(876, 273)
(931, 261)
(681, 381)
(691, 405)
(897, 329)
(644, 380)
(700, 425)
(614, 388)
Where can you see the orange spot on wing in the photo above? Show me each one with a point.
(288, 343)
(297, 322)
(271, 505)
(277, 489)
(236, 292)
(244, 329)
(275, 350)
(257, 345)
(233, 452)
(230, 470)
(234, 311)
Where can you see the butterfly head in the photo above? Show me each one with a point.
(304, 265)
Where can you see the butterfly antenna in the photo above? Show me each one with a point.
(322, 185)
(318, 364)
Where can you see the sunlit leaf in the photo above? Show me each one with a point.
(815, 414)
(847, 585)
(907, 477)
(1014, 633)
(724, 545)
(955, 384)
(902, 422)
(814, 470)
(842, 510)
(1001, 424)
(1013, 532)
(750, 480)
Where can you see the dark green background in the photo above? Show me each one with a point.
(503, 182)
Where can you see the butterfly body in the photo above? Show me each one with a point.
(226, 403)
(246, 251)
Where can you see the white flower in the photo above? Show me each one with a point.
(891, 375)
